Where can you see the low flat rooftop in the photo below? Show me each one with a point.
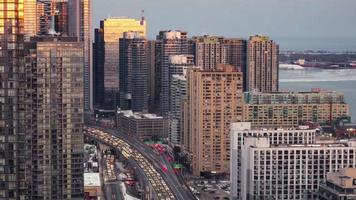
(92, 180)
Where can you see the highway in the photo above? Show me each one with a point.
(144, 155)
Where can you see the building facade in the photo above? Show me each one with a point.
(152, 77)
(262, 64)
(293, 108)
(80, 26)
(339, 185)
(107, 54)
(209, 51)
(133, 72)
(240, 130)
(142, 125)
(178, 96)
(236, 54)
(290, 171)
(12, 101)
(54, 118)
(168, 43)
(214, 100)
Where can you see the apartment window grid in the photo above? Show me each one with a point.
(275, 137)
(292, 173)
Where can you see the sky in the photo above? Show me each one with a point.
(239, 18)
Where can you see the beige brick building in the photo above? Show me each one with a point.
(292, 108)
(214, 100)
(262, 64)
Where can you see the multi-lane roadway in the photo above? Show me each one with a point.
(162, 191)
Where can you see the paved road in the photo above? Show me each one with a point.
(179, 189)
(112, 191)
(157, 182)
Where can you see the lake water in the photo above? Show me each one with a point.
(336, 80)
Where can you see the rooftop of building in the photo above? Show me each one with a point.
(247, 126)
(223, 68)
(263, 142)
(92, 180)
(343, 177)
(312, 91)
(139, 115)
(179, 77)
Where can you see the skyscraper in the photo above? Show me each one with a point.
(80, 26)
(30, 17)
(178, 67)
(236, 54)
(178, 96)
(262, 64)
(133, 72)
(209, 51)
(214, 100)
(152, 78)
(12, 108)
(168, 43)
(107, 62)
(61, 18)
(54, 118)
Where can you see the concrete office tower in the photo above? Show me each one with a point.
(12, 99)
(142, 126)
(168, 43)
(133, 72)
(178, 96)
(236, 54)
(241, 130)
(152, 71)
(290, 171)
(214, 100)
(178, 66)
(54, 117)
(340, 185)
(293, 108)
(107, 57)
(80, 26)
(209, 51)
(262, 64)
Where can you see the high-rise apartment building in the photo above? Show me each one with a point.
(293, 108)
(12, 108)
(168, 43)
(262, 64)
(178, 96)
(133, 72)
(152, 78)
(54, 118)
(236, 54)
(46, 12)
(214, 100)
(107, 54)
(290, 171)
(61, 18)
(178, 67)
(30, 17)
(240, 130)
(80, 26)
(209, 51)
